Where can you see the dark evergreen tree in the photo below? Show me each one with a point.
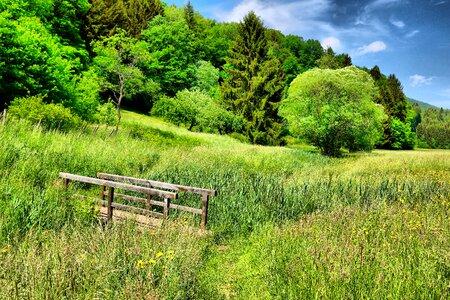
(254, 84)
(130, 15)
(397, 100)
(137, 14)
(189, 16)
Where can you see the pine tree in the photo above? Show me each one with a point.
(138, 13)
(254, 84)
(189, 16)
(105, 16)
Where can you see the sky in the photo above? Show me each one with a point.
(408, 38)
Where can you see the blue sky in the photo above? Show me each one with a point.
(409, 38)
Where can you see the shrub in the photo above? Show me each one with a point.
(196, 110)
(50, 116)
(401, 136)
(333, 109)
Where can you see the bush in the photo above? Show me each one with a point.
(106, 114)
(50, 116)
(196, 110)
(333, 109)
(401, 136)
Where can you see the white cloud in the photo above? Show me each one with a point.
(438, 2)
(299, 17)
(397, 23)
(332, 42)
(417, 80)
(411, 34)
(374, 47)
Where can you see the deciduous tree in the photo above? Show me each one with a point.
(333, 109)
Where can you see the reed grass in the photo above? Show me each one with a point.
(288, 223)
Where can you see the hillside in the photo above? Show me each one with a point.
(286, 221)
(421, 104)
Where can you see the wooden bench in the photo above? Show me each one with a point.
(109, 183)
(204, 193)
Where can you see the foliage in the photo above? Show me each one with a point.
(332, 61)
(194, 109)
(132, 16)
(118, 59)
(207, 79)
(87, 95)
(50, 116)
(34, 61)
(434, 129)
(63, 18)
(106, 114)
(254, 83)
(401, 136)
(170, 44)
(334, 109)
(395, 104)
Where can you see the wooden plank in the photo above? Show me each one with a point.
(128, 187)
(197, 211)
(110, 201)
(103, 192)
(138, 199)
(204, 211)
(158, 184)
(166, 207)
(132, 209)
(158, 203)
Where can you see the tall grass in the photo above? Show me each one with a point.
(53, 247)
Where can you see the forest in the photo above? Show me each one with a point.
(67, 62)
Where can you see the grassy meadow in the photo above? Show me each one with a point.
(288, 223)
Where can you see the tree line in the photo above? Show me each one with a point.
(81, 60)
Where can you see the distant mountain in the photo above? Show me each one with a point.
(421, 104)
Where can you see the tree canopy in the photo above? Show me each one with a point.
(333, 109)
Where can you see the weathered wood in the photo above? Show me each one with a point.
(132, 209)
(148, 203)
(110, 202)
(166, 207)
(159, 184)
(204, 210)
(118, 185)
(103, 192)
(158, 203)
(66, 183)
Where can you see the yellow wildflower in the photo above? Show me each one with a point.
(170, 252)
(159, 254)
(152, 261)
(141, 264)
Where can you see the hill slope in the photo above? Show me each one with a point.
(421, 104)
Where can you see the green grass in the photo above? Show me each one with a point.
(288, 223)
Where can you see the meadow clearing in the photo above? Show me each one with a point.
(288, 223)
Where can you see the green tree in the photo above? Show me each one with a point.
(332, 61)
(105, 16)
(254, 82)
(189, 16)
(170, 44)
(34, 62)
(207, 79)
(333, 109)
(118, 59)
